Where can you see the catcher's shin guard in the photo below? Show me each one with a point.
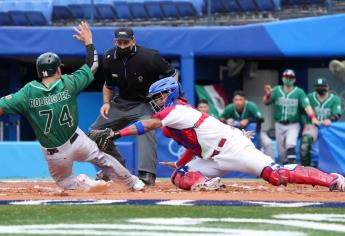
(185, 180)
(296, 174)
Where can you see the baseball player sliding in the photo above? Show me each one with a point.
(221, 147)
(50, 105)
(288, 101)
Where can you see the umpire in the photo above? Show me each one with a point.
(131, 69)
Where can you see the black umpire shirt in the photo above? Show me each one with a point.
(134, 74)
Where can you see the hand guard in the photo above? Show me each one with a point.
(103, 137)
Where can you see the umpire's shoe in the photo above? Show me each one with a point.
(147, 177)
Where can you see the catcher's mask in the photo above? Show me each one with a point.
(47, 64)
(163, 93)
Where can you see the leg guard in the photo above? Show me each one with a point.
(295, 174)
(291, 156)
(185, 180)
(306, 143)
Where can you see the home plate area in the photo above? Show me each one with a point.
(236, 192)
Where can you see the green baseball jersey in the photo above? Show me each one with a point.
(52, 112)
(250, 111)
(327, 108)
(287, 106)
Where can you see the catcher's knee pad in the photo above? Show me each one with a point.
(185, 180)
(276, 175)
(282, 175)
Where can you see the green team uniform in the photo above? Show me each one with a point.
(250, 111)
(325, 109)
(52, 112)
(287, 106)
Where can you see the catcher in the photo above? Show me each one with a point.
(221, 147)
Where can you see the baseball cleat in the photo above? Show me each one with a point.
(211, 184)
(138, 185)
(338, 183)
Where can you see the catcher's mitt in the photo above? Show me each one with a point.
(102, 137)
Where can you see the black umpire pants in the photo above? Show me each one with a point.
(121, 114)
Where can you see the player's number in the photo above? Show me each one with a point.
(64, 118)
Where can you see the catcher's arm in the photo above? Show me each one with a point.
(104, 137)
(139, 127)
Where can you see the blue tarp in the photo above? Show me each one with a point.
(331, 148)
(308, 37)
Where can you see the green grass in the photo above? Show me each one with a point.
(25, 215)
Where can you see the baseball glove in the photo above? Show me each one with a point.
(102, 137)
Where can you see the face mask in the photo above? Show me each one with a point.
(321, 91)
(122, 52)
(288, 82)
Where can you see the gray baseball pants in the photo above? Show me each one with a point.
(286, 135)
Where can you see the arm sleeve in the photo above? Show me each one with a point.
(91, 58)
(79, 79)
(186, 157)
(14, 103)
(164, 67)
(336, 109)
(303, 99)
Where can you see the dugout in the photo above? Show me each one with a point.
(305, 45)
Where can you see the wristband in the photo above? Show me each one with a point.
(312, 116)
(106, 102)
(140, 127)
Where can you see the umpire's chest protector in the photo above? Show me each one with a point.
(138, 71)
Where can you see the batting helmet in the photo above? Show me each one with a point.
(47, 64)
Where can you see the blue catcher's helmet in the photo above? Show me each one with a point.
(163, 93)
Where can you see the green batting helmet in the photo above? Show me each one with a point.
(321, 82)
(47, 64)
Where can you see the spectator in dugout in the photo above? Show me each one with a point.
(204, 107)
(242, 112)
(327, 108)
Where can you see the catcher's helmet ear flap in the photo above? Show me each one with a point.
(47, 64)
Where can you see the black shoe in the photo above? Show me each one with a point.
(147, 177)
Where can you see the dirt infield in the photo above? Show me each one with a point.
(164, 190)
